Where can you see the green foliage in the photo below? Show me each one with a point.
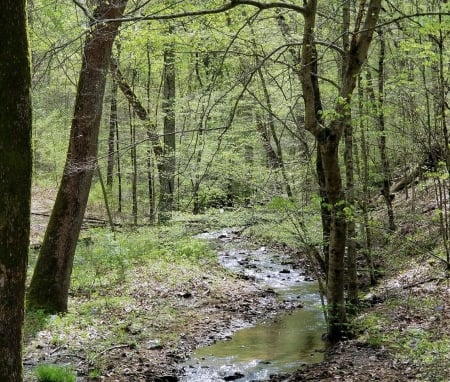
(105, 259)
(54, 373)
(35, 320)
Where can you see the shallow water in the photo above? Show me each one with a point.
(276, 346)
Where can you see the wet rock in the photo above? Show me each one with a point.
(186, 294)
(166, 378)
(285, 271)
(233, 377)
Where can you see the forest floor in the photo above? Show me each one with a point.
(146, 325)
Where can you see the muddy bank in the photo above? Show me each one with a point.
(352, 361)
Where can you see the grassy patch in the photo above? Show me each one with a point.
(415, 330)
(54, 373)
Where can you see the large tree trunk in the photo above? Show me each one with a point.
(51, 279)
(15, 183)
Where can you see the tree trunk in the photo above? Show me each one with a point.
(352, 281)
(111, 136)
(51, 279)
(387, 182)
(150, 165)
(15, 183)
(133, 158)
(364, 176)
(197, 177)
(328, 138)
(329, 148)
(119, 171)
(167, 184)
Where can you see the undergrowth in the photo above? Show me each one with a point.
(120, 283)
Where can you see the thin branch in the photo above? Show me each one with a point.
(86, 11)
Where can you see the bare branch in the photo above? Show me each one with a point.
(232, 4)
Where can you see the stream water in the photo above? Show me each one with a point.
(274, 346)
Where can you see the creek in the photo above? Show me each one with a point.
(274, 346)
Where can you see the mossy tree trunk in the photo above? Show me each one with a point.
(51, 279)
(15, 183)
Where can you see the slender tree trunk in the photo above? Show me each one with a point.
(15, 183)
(325, 211)
(197, 177)
(50, 283)
(111, 136)
(352, 280)
(150, 165)
(167, 185)
(133, 157)
(387, 182)
(364, 176)
(119, 171)
(271, 155)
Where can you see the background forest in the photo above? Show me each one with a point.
(206, 121)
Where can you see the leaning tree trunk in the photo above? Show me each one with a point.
(15, 183)
(51, 279)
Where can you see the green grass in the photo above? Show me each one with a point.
(54, 373)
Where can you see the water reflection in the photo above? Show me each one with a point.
(277, 346)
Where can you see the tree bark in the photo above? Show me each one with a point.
(51, 279)
(15, 183)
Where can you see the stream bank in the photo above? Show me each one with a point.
(144, 330)
(278, 345)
